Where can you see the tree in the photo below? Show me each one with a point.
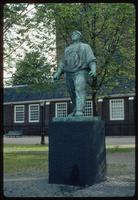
(33, 70)
(110, 30)
(24, 33)
(16, 25)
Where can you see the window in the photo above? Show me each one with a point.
(34, 113)
(19, 114)
(88, 108)
(61, 109)
(117, 109)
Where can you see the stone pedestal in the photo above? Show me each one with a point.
(77, 152)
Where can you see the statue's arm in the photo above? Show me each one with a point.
(92, 66)
(59, 71)
(91, 60)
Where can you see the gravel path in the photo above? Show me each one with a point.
(120, 182)
(41, 188)
(110, 140)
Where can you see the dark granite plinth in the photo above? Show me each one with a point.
(77, 152)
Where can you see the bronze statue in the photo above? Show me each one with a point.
(78, 61)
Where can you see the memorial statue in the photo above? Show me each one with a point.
(78, 61)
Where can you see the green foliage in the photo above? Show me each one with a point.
(16, 26)
(23, 34)
(33, 70)
(109, 28)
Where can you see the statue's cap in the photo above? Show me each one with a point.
(78, 32)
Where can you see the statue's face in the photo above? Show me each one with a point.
(75, 36)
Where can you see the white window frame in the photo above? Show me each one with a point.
(33, 121)
(56, 106)
(131, 98)
(91, 108)
(15, 111)
(110, 108)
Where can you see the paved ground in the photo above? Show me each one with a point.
(39, 187)
(114, 140)
(120, 176)
(120, 181)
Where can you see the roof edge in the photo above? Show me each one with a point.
(68, 98)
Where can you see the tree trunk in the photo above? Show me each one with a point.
(94, 103)
(42, 125)
(94, 93)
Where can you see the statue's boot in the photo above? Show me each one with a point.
(80, 102)
(72, 114)
(79, 113)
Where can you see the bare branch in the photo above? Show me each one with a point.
(102, 80)
(7, 27)
(102, 26)
(17, 47)
(61, 29)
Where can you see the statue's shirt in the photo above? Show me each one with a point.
(77, 57)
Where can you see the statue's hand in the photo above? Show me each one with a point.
(92, 74)
(56, 76)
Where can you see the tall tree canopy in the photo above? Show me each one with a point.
(108, 27)
(33, 70)
(24, 33)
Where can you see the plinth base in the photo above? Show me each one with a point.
(77, 152)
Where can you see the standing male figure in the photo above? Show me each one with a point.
(77, 62)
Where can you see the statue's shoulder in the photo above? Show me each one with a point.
(85, 45)
(68, 47)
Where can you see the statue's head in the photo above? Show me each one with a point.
(76, 36)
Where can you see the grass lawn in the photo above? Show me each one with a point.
(119, 148)
(25, 158)
(8, 148)
(34, 158)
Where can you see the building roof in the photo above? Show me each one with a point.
(26, 93)
(123, 86)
